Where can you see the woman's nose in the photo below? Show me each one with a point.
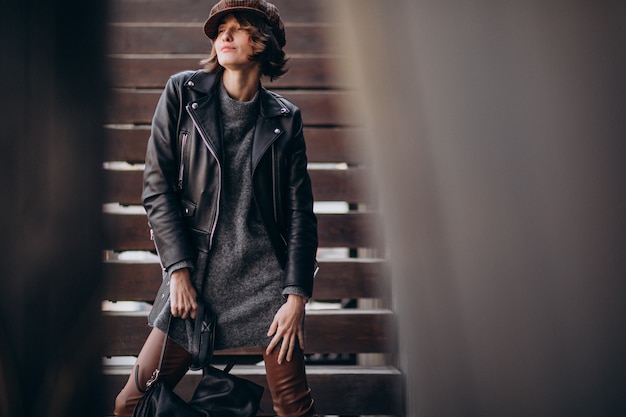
(227, 34)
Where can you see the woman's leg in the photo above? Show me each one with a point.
(175, 364)
(288, 385)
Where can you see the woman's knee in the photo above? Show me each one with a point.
(125, 402)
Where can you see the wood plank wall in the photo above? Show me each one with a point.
(148, 41)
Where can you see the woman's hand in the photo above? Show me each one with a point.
(183, 302)
(287, 326)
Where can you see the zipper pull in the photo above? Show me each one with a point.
(181, 168)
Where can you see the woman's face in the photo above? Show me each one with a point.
(233, 46)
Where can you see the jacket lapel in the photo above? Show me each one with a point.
(205, 108)
(268, 127)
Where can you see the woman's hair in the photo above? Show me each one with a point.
(265, 47)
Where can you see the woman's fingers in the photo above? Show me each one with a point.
(301, 338)
(274, 342)
(283, 352)
(292, 346)
(194, 310)
(286, 329)
(273, 328)
(187, 307)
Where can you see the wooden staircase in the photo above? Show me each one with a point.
(350, 339)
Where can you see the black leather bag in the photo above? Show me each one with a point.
(160, 401)
(219, 394)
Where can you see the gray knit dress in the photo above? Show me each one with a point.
(240, 279)
(243, 278)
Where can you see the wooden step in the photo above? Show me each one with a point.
(337, 279)
(319, 108)
(189, 38)
(350, 230)
(197, 11)
(327, 331)
(153, 71)
(337, 390)
(347, 185)
(127, 142)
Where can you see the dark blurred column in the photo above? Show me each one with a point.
(51, 101)
(499, 139)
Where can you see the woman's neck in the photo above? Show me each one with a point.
(240, 85)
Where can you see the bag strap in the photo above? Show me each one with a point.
(227, 369)
(157, 371)
(230, 366)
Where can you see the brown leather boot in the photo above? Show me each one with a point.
(287, 384)
(174, 367)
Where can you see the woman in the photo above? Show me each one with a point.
(230, 206)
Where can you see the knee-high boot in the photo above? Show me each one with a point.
(287, 383)
(174, 367)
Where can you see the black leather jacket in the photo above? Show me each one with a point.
(183, 176)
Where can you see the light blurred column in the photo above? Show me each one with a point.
(498, 136)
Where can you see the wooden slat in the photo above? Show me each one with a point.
(350, 230)
(349, 278)
(128, 143)
(327, 331)
(318, 107)
(197, 11)
(337, 390)
(190, 39)
(339, 144)
(126, 232)
(131, 106)
(149, 71)
(131, 281)
(348, 185)
(122, 187)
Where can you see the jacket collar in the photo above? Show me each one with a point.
(205, 83)
(268, 127)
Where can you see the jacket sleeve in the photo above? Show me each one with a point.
(301, 236)
(160, 197)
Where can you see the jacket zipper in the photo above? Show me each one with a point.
(274, 191)
(181, 169)
(274, 184)
(219, 166)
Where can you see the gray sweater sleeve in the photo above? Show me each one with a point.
(293, 289)
(185, 263)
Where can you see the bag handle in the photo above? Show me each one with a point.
(227, 369)
(230, 366)
(157, 371)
